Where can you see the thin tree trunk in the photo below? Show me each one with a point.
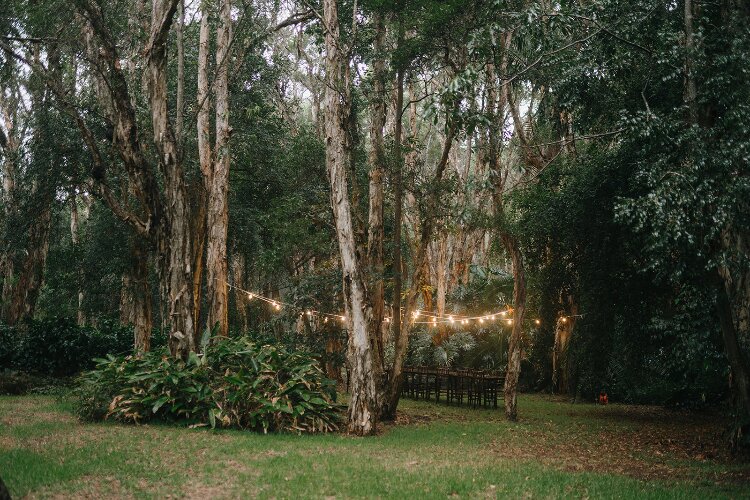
(388, 408)
(180, 104)
(80, 315)
(691, 92)
(513, 369)
(218, 197)
(240, 298)
(376, 195)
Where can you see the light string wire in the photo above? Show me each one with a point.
(434, 319)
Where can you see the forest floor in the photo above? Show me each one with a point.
(557, 449)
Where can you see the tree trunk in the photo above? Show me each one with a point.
(80, 315)
(363, 408)
(240, 298)
(218, 202)
(733, 308)
(441, 267)
(513, 369)
(135, 297)
(376, 195)
(180, 104)
(175, 237)
(388, 402)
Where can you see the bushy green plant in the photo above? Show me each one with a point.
(9, 341)
(234, 383)
(61, 348)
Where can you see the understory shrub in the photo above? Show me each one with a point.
(59, 347)
(234, 383)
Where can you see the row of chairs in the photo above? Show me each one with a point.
(476, 387)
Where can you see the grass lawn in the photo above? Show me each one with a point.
(556, 450)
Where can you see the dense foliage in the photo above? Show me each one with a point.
(61, 348)
(234, 383)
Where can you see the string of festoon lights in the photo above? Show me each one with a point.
(418, 316)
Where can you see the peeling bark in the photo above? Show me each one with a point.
(363, 407)
(218, 194)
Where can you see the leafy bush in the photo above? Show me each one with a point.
(9, 341)
(59, 347)
(235, 383)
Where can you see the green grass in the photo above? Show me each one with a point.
(556, 450)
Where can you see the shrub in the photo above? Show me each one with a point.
(59, 347)
(9, 342)
(235, 383)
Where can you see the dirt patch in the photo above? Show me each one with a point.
(89, 487)
(411, 419)
(659, 449)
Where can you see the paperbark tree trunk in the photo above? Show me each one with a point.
(74, 222)
(218, 202)
(136, 303)
(363, 407)
(513, 369)
(377, 172)
(175, 237)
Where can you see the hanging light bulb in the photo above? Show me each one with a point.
(325, 320)
(537, 322)
(509, 321)
(250, 296)
(564, 319)
(450, 318)
(416, 313)
(504, 313)
(481, 320)
(309, 313)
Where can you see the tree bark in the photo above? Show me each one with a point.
(513, 369)
(180, 104)
(74, 222)
(175, 237)
(218, 202)
(376, 195)
(136, 307)
(363, 408)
